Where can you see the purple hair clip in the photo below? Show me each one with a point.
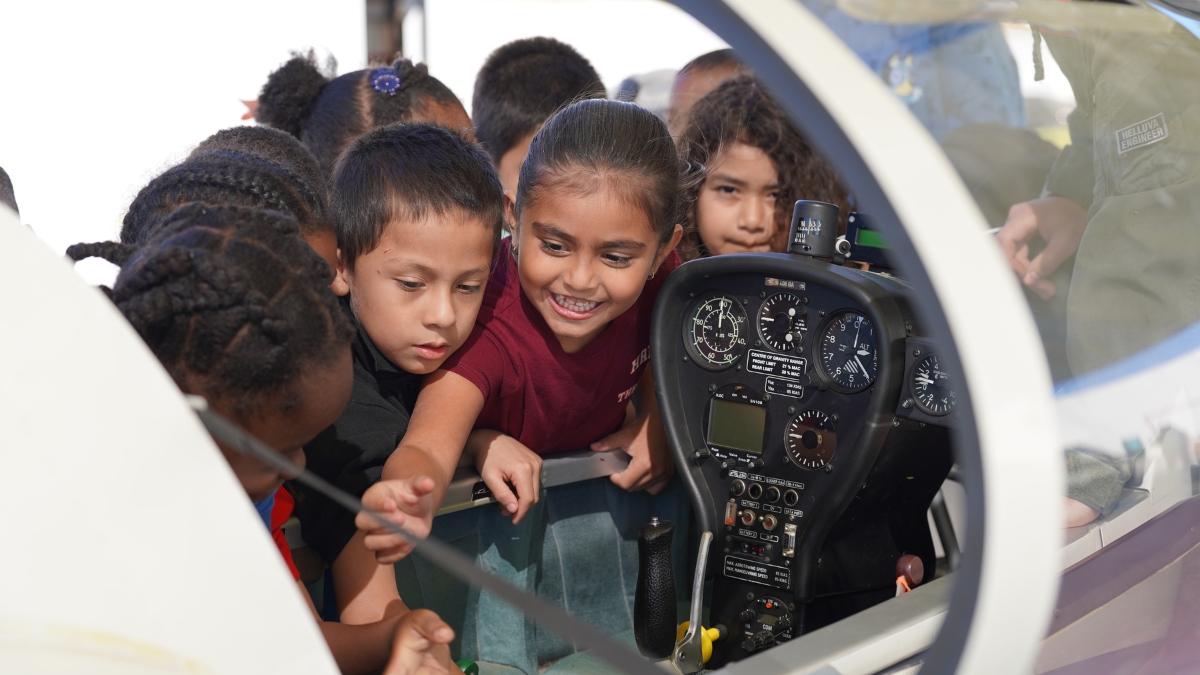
(385, 81)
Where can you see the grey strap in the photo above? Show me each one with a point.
(449, 559)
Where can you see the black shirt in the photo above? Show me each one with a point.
(351, 453)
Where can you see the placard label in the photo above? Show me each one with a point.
(779, 365)
(782, 386)
(758, 573)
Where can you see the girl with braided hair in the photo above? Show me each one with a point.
(326, 112)
(272, 145)
(239, 310)
(756, 166)
(227, 176)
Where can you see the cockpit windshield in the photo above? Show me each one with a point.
(731, 422)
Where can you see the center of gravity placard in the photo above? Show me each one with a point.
(781, 365)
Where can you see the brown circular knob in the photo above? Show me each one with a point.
(911, 568)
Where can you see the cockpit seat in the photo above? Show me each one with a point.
(572, 548)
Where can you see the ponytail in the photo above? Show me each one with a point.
(288, 98)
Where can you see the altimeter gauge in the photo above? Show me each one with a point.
(847, 357)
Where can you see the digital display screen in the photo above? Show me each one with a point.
(870, 238)
(736, 426)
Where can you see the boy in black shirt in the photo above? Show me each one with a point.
(418, 212)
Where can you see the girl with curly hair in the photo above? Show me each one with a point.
(756, 165)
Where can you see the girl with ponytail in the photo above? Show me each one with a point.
(327, 112)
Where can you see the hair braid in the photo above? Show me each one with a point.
(223, 177)
(112, 251)
(234, 304)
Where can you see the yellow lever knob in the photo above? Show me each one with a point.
(707, 637)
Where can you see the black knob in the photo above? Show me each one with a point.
(760, 640)
(772, 494)
(654, 608)
(747, 615)
(738, 487)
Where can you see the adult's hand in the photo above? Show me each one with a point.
(1059, 221)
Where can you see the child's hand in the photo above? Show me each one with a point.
(503, 460)
(407, 502)
(420, 647)
(651, 465)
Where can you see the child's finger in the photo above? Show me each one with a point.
(535, 471)
(417, 633)
(370, 521)
(634, 475)
(388, 548)
(523, 480)
(501, 493)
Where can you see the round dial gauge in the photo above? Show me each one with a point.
(715, 331)
(810, 439)
(847, 354)
(931, 387)
(782, 322)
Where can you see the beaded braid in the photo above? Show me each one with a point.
(233, 303)
(222, 178)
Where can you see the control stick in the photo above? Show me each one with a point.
(695, 644)
(654, 605)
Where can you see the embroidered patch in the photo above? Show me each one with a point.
(1141, 134)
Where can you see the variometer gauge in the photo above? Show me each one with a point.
(932, 388)
(715, 331)
(782, 322)
(810, 439)
(847, 356)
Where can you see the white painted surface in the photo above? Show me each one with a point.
(128, 544)
(102, 96)
(1002, 358)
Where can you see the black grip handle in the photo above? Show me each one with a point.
(654, 608)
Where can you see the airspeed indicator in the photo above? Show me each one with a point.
(715, 331)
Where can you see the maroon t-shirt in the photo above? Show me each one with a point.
(548, 399)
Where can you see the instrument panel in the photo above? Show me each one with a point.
(779, 378)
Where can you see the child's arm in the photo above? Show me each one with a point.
(651, 465)
(501, 460)
(366, 591)
(416, 642)
(416, 476)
